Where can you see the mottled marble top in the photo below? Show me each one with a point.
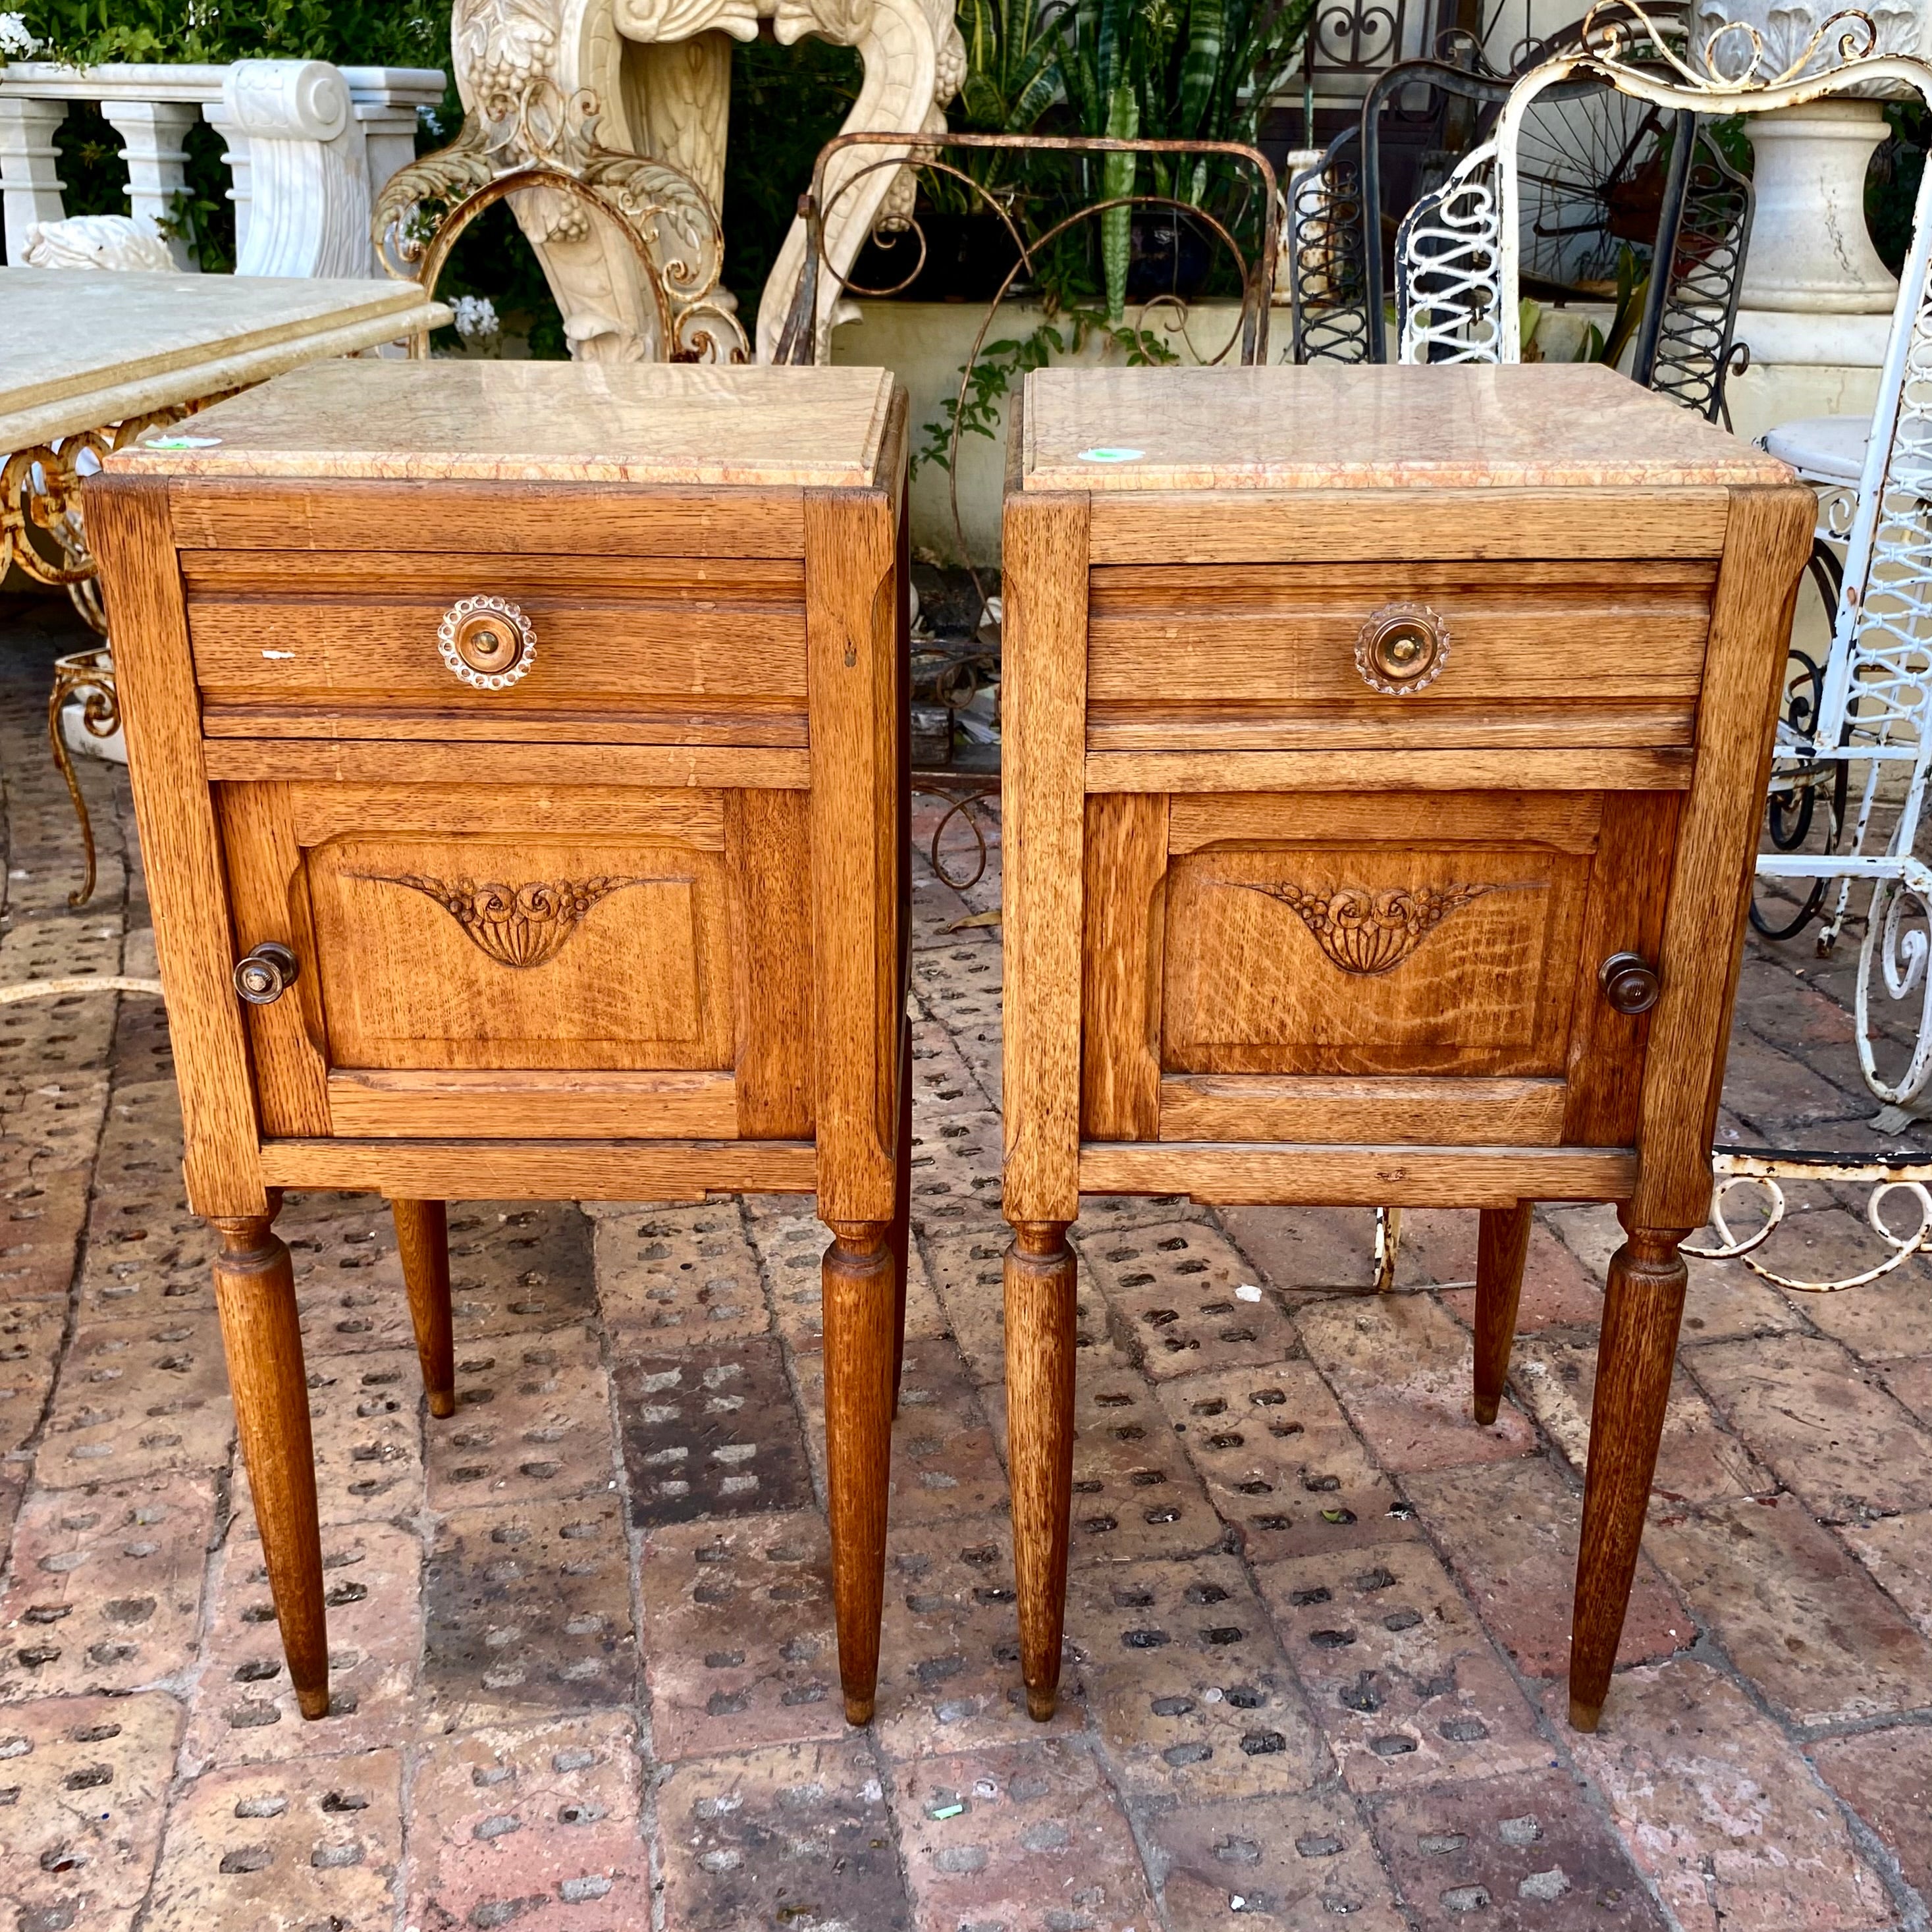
(65, 333)
(1327, 425)
(580, 422)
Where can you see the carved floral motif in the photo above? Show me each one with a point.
(1366, 930)
(520, 926)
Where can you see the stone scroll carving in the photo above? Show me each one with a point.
(309, 167)
(661, 72)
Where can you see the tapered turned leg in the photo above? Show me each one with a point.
(859, 1301)
(1040, 1283)
(902, 1214)
(1501, 1247)
(1643, 1302)
(255, 1294)
(422, 1234)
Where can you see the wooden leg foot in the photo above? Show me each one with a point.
(1501, 1245)
(857, 1274)
(1643, 1303)
(422, 1234)
(1040, 1281)
(255, 1296)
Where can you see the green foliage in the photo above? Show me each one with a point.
(1000, 364)
(1011, 76)
(367, 33)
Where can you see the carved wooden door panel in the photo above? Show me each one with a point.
(1401, 968)
(513, 962)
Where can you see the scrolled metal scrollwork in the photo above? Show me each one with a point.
(1768, 1172)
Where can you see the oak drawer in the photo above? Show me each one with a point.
(685, 650)
(1564, 652)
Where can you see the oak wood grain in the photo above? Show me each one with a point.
(547, 1170)
(1456, 1111)
(1502, 1246)
(127, 524)
(1576, 768)
(1231, 1173)
(422, 1238)
(1127, 845)
(519, 1105)
(1565, 821)
(769, 844)
(1158, 721)
(1703, 943)
(702, 767)
(1042, 705)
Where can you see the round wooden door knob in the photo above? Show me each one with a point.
(487, 642)
(1402, 649)
(262, 975)
(1629, 982)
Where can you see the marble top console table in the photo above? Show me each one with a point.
(88, 362)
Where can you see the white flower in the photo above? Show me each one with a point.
(475, 316)
(14, 38)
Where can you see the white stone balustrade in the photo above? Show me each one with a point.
(308, 146)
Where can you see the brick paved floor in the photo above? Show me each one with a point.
(581, 1633)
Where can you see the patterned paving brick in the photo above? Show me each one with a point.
(284, 1848)
(31, 1336)
(1911, 1381)
(527, 1610)
(792, 1247)
(1280, 1461)
(710, 1432)
(955, 1174)
(944, 1464)
(55, 1121)
(739, 1649)
(1172, 1290)
(1699, 1459)
(968, 1271)
(519, 1266)
(1398, 1673)
(1824, 1426)
(1558, 1291)
(1287, 1861)
(959, 985)
(147, 1254)
(1798, 1615)
(1881, 1322)
(1027, 1837)
(242, 1708)
(536, 1824)
(942, 1081)
(795, 1834)
(1721, 1813)
(1187, 1683)
(948, 1648)
(1886, 1777)
(365, 1414)
(349, 1276)
(1523, 1853)
(1511, 1529)
(680, 1275)
(1897, 1551)
(533, 1421)
(1305, 1249)
(83, 1781)
(1101, 1213)
(136, 1398)
(1727, 1302)
(1402, 1368)
(41, 1221)
(103, 1586)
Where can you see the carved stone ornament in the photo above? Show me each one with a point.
(660, 71)
(1366, 930)
(520, 926)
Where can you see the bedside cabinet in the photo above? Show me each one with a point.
(1384, 754)
(518, 750)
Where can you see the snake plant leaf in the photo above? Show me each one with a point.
(1116, 179)
(1200, 66)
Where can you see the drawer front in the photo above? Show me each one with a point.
(511, 962)
(1367, 970)
(671, 650)
(1552, 653)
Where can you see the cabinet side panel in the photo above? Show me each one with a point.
(768, 838)
(852, 632)
(1119, 1054)
(127, 524)
(1768, 538)
(1043, 703)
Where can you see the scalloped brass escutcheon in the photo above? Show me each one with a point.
(487, 642)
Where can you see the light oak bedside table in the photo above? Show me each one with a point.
(1384, 750)
(518, 752)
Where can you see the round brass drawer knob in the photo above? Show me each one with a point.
(1401, 648)
(262, 975)
(1629, 982)
(487, 642)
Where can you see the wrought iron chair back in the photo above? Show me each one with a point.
(663, 216)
